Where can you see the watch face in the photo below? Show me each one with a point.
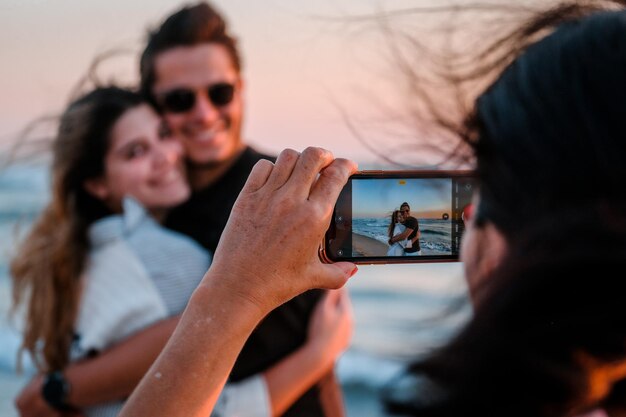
(55, 390)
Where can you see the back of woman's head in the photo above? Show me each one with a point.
(549, 337)
(49, 262)
(550, 133)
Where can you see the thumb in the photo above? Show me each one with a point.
(336, 275)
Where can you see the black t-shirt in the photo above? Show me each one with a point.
(203, 217)
(412, 223)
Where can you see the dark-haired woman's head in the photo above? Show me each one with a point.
(549, 134)
(546, 244)
(549, 336)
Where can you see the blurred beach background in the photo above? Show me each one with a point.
(313, 71)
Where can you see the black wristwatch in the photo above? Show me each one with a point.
(56, 390)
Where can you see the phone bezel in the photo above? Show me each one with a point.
(324, 253)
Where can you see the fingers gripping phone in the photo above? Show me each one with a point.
(399, 217)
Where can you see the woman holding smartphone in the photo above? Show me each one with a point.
(98, 267)
(543, 249)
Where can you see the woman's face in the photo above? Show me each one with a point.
(143, 161)
(482, 250)
(399, 216)
(470, 254)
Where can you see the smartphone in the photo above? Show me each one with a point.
(384, 217)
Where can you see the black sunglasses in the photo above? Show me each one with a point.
(181, 100)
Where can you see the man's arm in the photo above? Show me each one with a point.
(417, 237)
(397, 238)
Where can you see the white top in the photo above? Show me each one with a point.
(397, 249)
(138, 273)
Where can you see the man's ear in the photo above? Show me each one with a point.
(97, 187)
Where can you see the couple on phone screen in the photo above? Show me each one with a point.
(404, 233)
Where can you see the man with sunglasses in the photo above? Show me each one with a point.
(191, 71)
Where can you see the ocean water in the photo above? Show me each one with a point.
(400, 311)
(436, 235)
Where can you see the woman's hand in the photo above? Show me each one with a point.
(330, 329)
(268, 252)
(267, 255)
(30, 402)
(329, 335)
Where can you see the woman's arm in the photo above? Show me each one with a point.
(235, 295)
(117, 371)
(109, 376)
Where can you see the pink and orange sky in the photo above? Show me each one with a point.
(300, 59)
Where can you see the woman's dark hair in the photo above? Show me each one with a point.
(190, 26)
(549, 141)
(549, 132)
(49, 262)
(551, 321)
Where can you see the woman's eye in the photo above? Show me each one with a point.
(136, 150)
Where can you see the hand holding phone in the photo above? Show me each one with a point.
(399, 217)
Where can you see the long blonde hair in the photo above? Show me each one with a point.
(46, 271)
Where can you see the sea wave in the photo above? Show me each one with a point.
(435, 232)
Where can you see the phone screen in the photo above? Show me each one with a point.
(400, 217)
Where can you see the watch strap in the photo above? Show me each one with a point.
(56, 390)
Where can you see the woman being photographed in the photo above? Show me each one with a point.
(396, 228)
(98, 267)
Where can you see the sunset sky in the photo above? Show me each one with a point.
(428, 198)
(304, 63)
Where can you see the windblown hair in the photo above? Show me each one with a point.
(190, 26)
(392, 225)
(549, 132)
(550, 323)
(46, 271)
(548, 138)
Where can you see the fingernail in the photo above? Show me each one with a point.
(354, 271)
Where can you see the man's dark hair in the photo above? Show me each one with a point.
(190, 26)
(405, 204)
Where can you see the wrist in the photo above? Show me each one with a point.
(56, 391)
(317, 350)
(215, 290)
